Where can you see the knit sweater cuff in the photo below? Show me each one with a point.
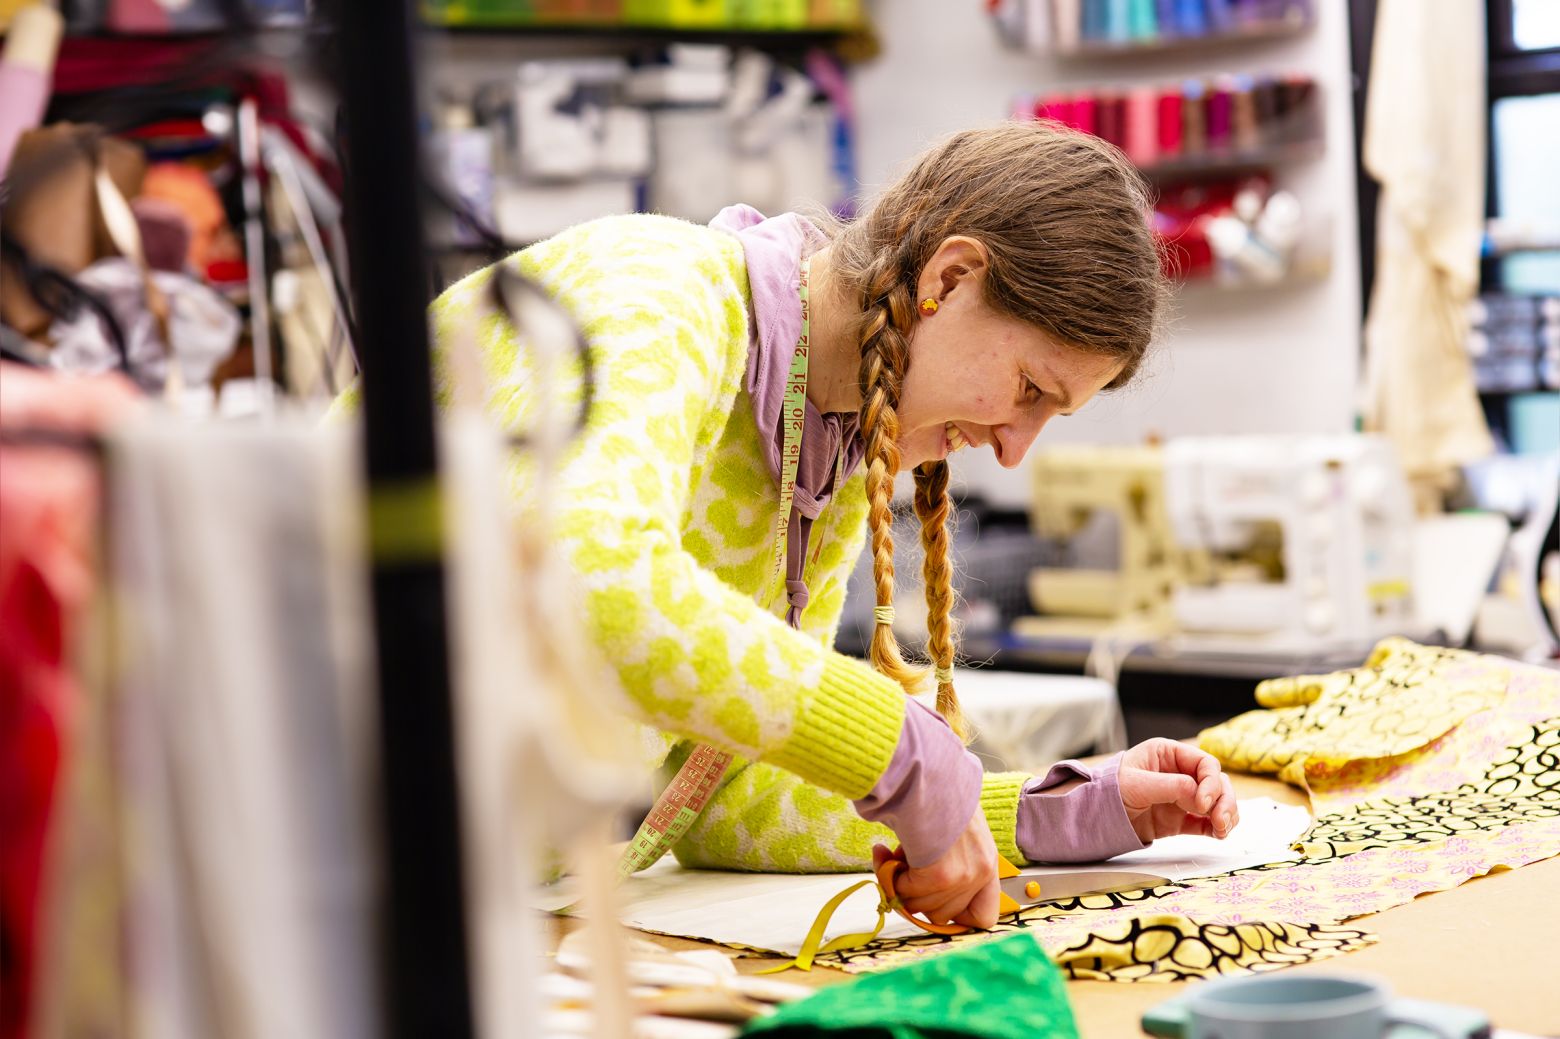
(845, 736)
(999, 801)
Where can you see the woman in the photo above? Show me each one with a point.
(1007, 279)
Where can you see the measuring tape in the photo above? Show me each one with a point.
(689, 791)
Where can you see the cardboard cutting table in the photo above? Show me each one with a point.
(1493, 943)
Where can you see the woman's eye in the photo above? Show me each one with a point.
(1031, 391)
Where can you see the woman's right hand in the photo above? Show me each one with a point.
(961, 887)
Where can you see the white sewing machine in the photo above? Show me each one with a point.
(1290, 544)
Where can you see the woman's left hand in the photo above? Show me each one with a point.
(1169, 787)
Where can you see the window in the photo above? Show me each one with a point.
(1535, 25)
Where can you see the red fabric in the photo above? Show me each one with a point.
(91, 63)
(48, 513)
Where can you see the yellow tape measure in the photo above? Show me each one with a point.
(682, 801)
(675, 810)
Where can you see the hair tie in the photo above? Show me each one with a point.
(884, 614)
(944, 675)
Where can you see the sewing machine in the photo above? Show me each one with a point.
(1300, 543)
(1073, 485)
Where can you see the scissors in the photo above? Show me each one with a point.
(1019, 889)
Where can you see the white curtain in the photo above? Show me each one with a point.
(1425, 142)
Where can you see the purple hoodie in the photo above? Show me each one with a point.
(932, 785)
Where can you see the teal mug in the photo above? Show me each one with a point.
(1305, 1007)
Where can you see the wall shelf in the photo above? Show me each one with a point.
(1250, 32)
(776, 39)
(1217, 163)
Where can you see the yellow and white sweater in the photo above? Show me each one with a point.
(666, 510)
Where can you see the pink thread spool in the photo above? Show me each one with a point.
(1143, 126)
(1055, 107)
(1219, 104)
(1110, 118)
(1169, 105)
(1085, 113)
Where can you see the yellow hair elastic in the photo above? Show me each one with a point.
(944, 675)
(884, 614)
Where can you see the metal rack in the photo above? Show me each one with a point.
(426, 974)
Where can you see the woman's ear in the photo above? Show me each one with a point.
(958, 259)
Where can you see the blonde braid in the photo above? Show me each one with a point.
(885, 355)
(932, 506)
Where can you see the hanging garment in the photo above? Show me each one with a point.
(49, 500)
(219, 875)
(1424, 140)
(235, 710)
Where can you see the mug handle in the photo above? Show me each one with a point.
(1421, 1015)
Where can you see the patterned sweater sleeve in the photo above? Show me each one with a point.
(766, 820)
(696, 657)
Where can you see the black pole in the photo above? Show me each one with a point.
(424, 933)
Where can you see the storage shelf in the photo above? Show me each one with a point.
(789, 39)
(1211, 163)
(1247, 33)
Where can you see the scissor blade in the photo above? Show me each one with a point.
(1054, 886)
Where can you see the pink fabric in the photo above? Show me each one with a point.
(48, 517)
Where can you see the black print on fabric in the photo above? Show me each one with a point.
(1521, 785)
(1059, 910)
(1179, 949)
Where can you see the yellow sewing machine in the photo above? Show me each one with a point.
(1079, 489)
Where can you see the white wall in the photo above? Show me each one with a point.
(1280, 359)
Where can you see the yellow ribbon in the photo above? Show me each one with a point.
(812, 946)
(888, 902)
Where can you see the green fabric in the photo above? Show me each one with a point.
(1005, 989)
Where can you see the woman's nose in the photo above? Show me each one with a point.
(1010, 442)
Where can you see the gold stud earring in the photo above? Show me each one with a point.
(929, 306)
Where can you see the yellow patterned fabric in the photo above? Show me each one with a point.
(1404, 697)
(666, 512)
(1463, 755)
(1427, 767)
(1317, 897)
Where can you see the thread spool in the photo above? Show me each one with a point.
(1218, 125)
(1084, 113)
(1142, 20)
(1110, 119)
(1194, 138)
(1169, 123)
(1243, 116)
(1191, 18)
(1142, 129)
(1265, 99)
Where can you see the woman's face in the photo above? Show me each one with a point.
(981, 379)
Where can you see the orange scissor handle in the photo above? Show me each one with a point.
(895, 863)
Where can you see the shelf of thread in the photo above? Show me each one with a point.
(1245, 32)
(1195, 127)
(1221, 161)
(1087, 29)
